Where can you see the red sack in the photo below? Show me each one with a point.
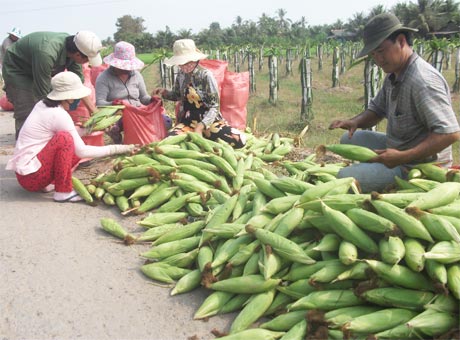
(234, 98)
(145, 124)
(95, 71)
(218, 68)
(5, 104)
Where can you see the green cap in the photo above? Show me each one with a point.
(378, 29)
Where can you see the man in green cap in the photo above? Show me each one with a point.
(33, 60)
(415, 100)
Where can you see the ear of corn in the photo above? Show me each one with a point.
(398, 297)
(170, 248)
(236, 303)
(113, 227)
(248, 284)
(326, 300)
(337, 317)
(392, 250)
(453, 280)
(436, 271)
(252, 311)
(212, 304)
(432, 322)
(298, 331)
(414, 254)
(400, 276)
(284, 322)
(444, 252)
(352, 152)
(439, 196)
(407, 223)
(348, 230)
(289, 222)
(379, 321)
(82, 190)
(254, 334)
(322, 189)
(348, 253)
(176, 234)
(432, 171)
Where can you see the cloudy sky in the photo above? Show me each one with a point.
(100, 16)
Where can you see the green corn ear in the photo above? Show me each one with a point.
(392, 250)
(352, 152)
(398, 297)
(379, 321)
(113, 227)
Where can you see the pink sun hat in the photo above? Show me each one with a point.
(124, 57)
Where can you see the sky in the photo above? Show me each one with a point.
(100, 16)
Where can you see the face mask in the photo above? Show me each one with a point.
(74, 105)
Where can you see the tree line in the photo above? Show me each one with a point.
(428, 16)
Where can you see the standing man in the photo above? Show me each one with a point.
(415, 100)
(29, 65)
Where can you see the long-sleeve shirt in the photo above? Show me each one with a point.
(109, 87)
(41, 125)
(197, 92)
(33, 60)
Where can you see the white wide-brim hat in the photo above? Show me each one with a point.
(16, 32)
(90, 45)
(124, 57)
(67, 85)
(185, 51)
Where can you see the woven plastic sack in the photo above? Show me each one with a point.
(145, 124)
(234, 98)
(218, 69)
(95, 71)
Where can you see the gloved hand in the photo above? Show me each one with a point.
(120, 148)
(117, 102)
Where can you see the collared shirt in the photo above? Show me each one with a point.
(416, 103)
(40, 126)
(109, 87)
(33, 60)
(199, 90)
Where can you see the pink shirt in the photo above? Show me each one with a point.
(41, 125)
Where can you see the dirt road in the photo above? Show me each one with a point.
(63, 278)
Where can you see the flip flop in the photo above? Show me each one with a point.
(73, 198)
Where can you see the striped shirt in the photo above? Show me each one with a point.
(415, 104)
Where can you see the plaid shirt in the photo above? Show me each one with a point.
(415, 104)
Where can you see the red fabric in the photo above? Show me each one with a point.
(217, 67)
(57, 158)
(145, 124)
(81, 114)
(234, 98)
(5, 104)
(95, 71)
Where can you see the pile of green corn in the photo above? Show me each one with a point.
(298, 255)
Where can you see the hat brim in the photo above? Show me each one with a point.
(81, 92)
(128, 65)
(372, 45)
(95, 61)
(184, 59)
(19, 36)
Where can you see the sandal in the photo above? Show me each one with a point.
(62, 197)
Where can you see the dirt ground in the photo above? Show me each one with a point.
(64, 278)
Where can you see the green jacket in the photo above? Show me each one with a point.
(33, 60)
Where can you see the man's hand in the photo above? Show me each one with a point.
(390, 157)
(199, 128)
(348, 124)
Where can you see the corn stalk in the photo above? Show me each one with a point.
(456, 87)
(320, 56)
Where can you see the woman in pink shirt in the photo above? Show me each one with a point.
(48, 145)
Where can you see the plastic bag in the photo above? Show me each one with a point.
(234, 98)
(145, 124)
